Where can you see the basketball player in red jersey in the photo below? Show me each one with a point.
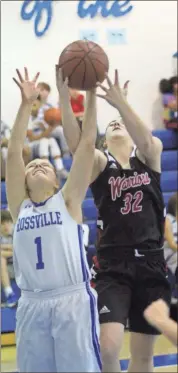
(126, 189)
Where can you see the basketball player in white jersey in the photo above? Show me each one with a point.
(57, 322)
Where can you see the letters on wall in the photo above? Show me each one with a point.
(42, 10)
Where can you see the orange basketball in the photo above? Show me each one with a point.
(52, 116)
(84, 63)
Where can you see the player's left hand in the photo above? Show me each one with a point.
(62, 86)
(28, 88)
(157, 312)
(114, 92)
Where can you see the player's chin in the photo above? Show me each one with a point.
(40, 179)
(117, 134)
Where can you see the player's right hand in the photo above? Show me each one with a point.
(28, 88)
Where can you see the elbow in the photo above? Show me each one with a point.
(152, 147)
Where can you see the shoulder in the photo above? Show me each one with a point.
(25, 204)
(154, 159)
(157, 143)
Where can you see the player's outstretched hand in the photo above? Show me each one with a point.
(28, 88)
(156, 313)
(114, 92)
(62, 86)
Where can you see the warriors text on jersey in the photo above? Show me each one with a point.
(48, 248)
(130, 205)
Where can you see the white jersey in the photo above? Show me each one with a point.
(48, 247)
(174, 229)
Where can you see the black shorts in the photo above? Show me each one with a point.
(127, 285)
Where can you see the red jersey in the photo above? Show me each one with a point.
(77, 104)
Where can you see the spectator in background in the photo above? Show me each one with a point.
(171, 234)
(164, 112)
(5, 135)
(44, 92)
(57, 132)
(85, 234)
(6, 257)
(77, 102)
(41, 144)
(169, 90)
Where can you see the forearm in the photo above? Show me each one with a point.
(19, 129)
(169, 328)
(71, 128)
(140, 134)
(89, 125)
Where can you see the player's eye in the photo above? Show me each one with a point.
(31, 166)
(45, 165)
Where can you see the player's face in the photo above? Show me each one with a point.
(6, 228)
(41, 174)
(115, 130)
(44, 93)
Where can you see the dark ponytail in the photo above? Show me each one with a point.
(164, 86)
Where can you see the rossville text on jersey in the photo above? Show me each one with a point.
(39, 221)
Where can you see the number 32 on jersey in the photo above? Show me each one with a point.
(132, 203)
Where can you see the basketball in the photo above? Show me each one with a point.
(52, 116)
(84, 63)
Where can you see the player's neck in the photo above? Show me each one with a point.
(40, 196)
(121, 151)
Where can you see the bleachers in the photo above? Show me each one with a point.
(169, 138)
(169, 185)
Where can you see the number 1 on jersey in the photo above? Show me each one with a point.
(40, 263)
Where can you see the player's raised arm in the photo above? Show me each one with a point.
(15, 168)
(71, 128)
(80, 174)
(150, 147)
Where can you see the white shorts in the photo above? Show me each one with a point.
(58, 331)
(171, 259)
